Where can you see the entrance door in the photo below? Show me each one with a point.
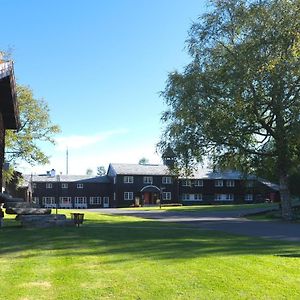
(146, 198)
(106, 202)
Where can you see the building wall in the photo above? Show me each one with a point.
(88, 190)
(120, 188)
(204, 191)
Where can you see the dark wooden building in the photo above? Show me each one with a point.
(133, 184)
(142, 184)
(70, 191)
(9, 115)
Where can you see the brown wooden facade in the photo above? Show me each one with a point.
(127, 185)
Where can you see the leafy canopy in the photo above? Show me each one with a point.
(238, 102)
(36, 127)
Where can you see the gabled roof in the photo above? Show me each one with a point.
(137, 169)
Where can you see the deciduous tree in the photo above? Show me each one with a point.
(36, 127)
(237, 102)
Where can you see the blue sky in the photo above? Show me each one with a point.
(100, 65)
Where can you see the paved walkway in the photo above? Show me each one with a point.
(227, 221)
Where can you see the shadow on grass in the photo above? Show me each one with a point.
(133, 241)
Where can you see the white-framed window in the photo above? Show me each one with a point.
(36, 200)
(80, 185)
(128, 195)
(65, 202)
(224, 197)
(48, 185)
(148, 179)
(80, 202)
(128, 179)
(197, 197)
(49, 202)
(34, 185)
(186, 182)
(167, 180)
(219, 182)
(192, 197)
(185, 197)
(166, 195)
(230, 183)
(249, 197)
(64, 185)
(198, 182)
(95, 200)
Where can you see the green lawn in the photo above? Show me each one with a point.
(113, 257)
(198, 208)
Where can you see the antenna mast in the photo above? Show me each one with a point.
(67, 162)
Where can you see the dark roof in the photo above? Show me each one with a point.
(66, 178)
(137, 169)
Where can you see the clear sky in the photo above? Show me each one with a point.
(100, 65)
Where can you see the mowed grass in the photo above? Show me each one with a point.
(205, 208)
(113, 257)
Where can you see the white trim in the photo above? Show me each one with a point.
(49, 202)
(230, 183)
(198, 182)
(219, 182)
(167, 196)
(166, 180)
(65, 202)
(80, 202)
(49, 185)
(148, 179)
(224, 197)
(128, 196)
(128, 179)
(248, 197)
(95, 200)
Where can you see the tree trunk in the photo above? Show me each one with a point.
(286, 205)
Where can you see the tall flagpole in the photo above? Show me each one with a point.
(67, 162)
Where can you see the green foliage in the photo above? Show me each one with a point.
(143, 161)
(89, 172)
(101, 171)
(36, 127)
(238, 101)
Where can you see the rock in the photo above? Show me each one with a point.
(43, 221)
(28, 211)
(21, 205)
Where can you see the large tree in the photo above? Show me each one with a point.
(36, 127)
(237, 102)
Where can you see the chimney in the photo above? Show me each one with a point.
(52, 173)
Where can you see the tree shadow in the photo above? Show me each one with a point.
(125, 240)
